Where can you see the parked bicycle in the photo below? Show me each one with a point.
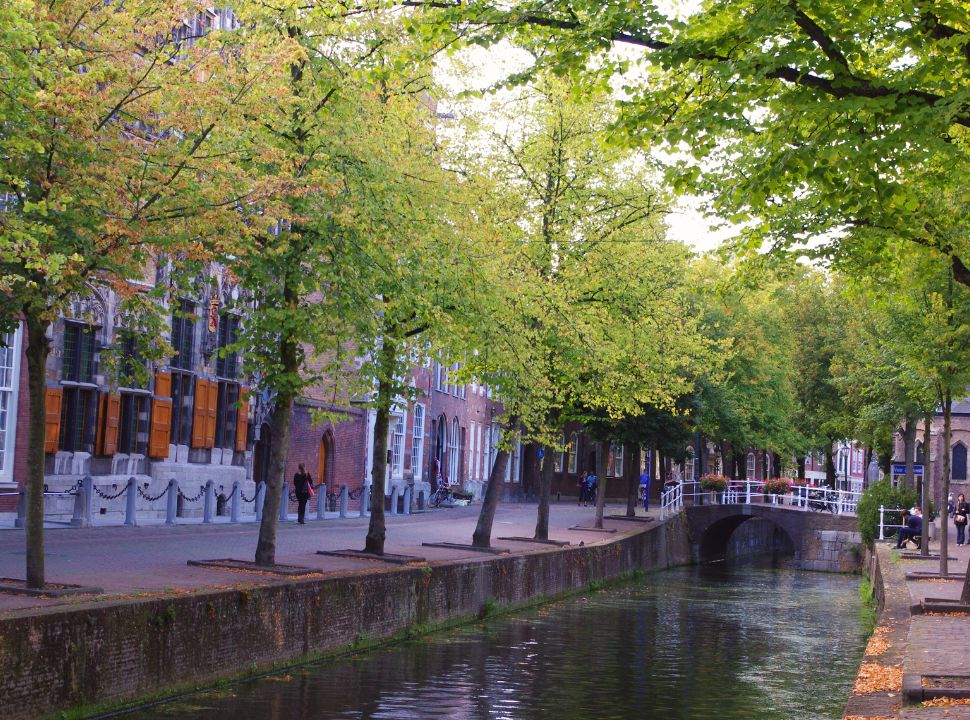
(820, 500)
(440, 495)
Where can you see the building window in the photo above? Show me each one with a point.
(480, 460)
(472, 447)
(183, 389)
(227, 363)
(78, 353)
(689, 472)
(750, 467)
(227, 409)
(439, 377)
(573, 452)
(79, 409)
(9, 377)
(417, 442)
(560, 456)
(397, 447)
(959, 467)
(183, 335)
(133, 424)
(618, 460)
(79, 404)
(131, 365)
(453, 452)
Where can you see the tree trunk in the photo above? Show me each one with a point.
(829, 466)
(482, 536)
(601, 483)
(944, 516)
(277, 491)
(924, 548)
(909, 452)
(376, 529)
(545, 489)
(37, 350)
(801, 466)
(632, 482)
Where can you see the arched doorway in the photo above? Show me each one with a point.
(261, 454)
(326, 465)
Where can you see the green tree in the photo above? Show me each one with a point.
(112, 143)
(803, 119)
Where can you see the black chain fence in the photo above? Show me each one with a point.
(105, 496)
(152, 498)
(197, 496)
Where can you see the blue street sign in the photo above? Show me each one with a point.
(901, 469)
(540, 453)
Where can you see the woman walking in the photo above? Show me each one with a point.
(960, 512)
(302, 484)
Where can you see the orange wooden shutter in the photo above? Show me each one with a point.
(163, 384)
(99, 430)
(242, 420)
(52, 434)
(161, 429)
(210, 411)
(199, 413)
(112, 417)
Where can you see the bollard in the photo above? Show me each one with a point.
(364, 500)
(407, 500)
(82, 503)
(209, 501)
(21, 520)
(236, 507)
(172, 503)
(394, 497)
(343, 500)
(285, 503)
(130, 504)
(322, 501)
(260, 500)
(747, 496)
(881, 526)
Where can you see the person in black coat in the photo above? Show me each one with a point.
(301, 485)
(961, 511)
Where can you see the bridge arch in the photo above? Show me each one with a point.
(744, 533)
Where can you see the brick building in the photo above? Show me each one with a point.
(189, 421)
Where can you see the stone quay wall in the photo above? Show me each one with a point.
(113, 652)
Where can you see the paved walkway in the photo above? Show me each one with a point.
(151, 558)
(935, 648)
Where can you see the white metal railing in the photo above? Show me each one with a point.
(746, 492)
(671, 500)
(883, 525)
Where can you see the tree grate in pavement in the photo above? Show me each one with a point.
(386, 557)
(15, 586)
(251, 567)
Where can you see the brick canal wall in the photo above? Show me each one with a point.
(111, 652)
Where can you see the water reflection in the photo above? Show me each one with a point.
(722, 641)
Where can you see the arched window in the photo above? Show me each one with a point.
(750, 467)
(959, 467)
(919, 453)
(618, 461)
(573, 451)
(397, 447)
(453, 453)
(689, 472)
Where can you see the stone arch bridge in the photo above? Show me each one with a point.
(818, 540)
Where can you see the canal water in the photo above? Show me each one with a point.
(752, 641)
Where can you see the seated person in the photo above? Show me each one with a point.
(913, 527)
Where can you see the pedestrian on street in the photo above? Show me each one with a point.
(645, 489)
(593, 483)
(961, 510)
(303, 486)
(583, 487)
